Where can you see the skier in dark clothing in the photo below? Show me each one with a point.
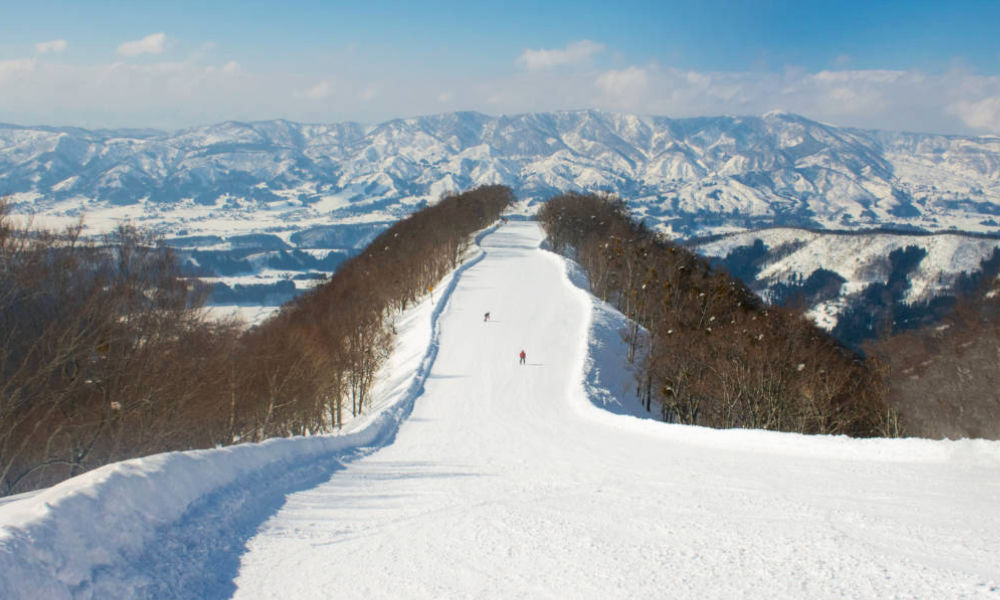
(486, 317)
(523, 356)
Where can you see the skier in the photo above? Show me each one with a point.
(486, 317)
(523, 356)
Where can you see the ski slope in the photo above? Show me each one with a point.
(478, 477)
(505, 482)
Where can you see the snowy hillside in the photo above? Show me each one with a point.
(775, 260)
(489, 479)
(691, 176)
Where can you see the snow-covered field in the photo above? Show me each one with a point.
(478, 477)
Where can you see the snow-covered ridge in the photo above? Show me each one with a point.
(859, 258)
(789, 256)
(690, 176)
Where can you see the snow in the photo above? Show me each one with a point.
(331, 202)
(779, 169)
(478, 477)
(861, 259)
(249, 314)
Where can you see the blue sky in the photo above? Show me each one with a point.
(925, 66)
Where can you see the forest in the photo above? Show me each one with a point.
(106, 353)
(707, 351)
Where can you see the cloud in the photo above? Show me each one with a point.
(625, 85)
(319, 91)
(956, 101)
(151, 44)
(17, 66)
(850, 93)
(982, 114)
(181, 93)
(202, 52)
(843, 60)
(574, 52)
(53, 46)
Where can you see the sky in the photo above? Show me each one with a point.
(898, 65)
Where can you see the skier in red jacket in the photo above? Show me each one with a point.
(523, 356)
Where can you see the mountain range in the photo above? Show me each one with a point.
(691, 176)
(264, 209)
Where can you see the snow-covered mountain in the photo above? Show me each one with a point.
(691, 176)
(268, 207)
(835, 272)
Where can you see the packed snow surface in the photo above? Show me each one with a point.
(480, 477)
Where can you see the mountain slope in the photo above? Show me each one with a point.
(318, 193)
(690, 176)
(830, 272)
(507, 480)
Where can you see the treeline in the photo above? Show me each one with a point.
(306, 367)
(707, 351)
(105, 353)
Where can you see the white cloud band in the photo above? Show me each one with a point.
(574, 52)
(151, 44)
(181, 93)
(53, 46)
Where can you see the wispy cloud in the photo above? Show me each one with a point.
(319, 91)
(627, 86)
(843, 60)
(52, 46)
(574, 52)
(17, 66)
(153, 43)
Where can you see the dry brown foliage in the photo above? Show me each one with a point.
(708, 350)
(105, 353)
(944, 379)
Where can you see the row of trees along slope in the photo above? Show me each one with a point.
(105, 353)
(706, 349)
